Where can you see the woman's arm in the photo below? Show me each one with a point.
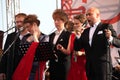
(62, 49)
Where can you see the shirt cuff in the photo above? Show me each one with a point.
(78, 36)
(110, 39)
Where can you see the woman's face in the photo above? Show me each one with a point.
(77, 25)
(59, 24)
(29, 27)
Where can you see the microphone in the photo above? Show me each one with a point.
(78, 31)
(85, 24)
(9, 29)
(20, 29)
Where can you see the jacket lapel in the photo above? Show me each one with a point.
(86, 36)
(96, 32)
(52, 37)
(60, 37)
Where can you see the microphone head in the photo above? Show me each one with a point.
(85, 24)
(21, 29)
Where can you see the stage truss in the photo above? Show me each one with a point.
(9, 9)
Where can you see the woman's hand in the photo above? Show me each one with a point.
(79, 31)
(36, 32)
(79, 53)
(117, 67)
(60, 47)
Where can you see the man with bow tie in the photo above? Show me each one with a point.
(96, 41)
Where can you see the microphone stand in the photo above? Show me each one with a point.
(7, 30)
(16, 37)
(10, 57)
(108, 59)
(108, 63)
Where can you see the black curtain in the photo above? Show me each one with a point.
(1, 39)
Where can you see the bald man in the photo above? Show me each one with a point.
(96, 41)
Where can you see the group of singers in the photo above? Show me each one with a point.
(81, 50)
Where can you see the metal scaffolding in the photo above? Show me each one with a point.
(9, 8)
(12, 8)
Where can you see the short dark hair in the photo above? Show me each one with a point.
(31, 19)
(20, 15)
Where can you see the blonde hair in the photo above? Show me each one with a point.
(81, 17)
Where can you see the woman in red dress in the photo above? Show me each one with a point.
(78, 59)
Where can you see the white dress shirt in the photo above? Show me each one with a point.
(91, 32)
(57, 34)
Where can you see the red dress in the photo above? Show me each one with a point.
(77, 70)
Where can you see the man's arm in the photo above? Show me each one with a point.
(111, 35)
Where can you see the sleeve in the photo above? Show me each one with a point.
(116, 40)
(3, 62)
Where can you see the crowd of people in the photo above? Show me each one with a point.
(81, 49)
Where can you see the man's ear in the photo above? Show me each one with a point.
(98, 15)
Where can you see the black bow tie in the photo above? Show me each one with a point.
(92, 26)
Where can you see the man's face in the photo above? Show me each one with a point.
(91, 16)
(58, 23)
(19, 22)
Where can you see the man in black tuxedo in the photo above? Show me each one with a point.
(12, 56)
(96, 41)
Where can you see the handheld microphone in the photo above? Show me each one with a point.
(21, 29)
(85, 24)
(79, 31)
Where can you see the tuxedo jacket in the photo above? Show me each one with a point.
(62, 64)
(98, 53)
(12, 56)
(63, 40)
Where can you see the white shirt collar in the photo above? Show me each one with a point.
(58, 32)
(96, 24)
